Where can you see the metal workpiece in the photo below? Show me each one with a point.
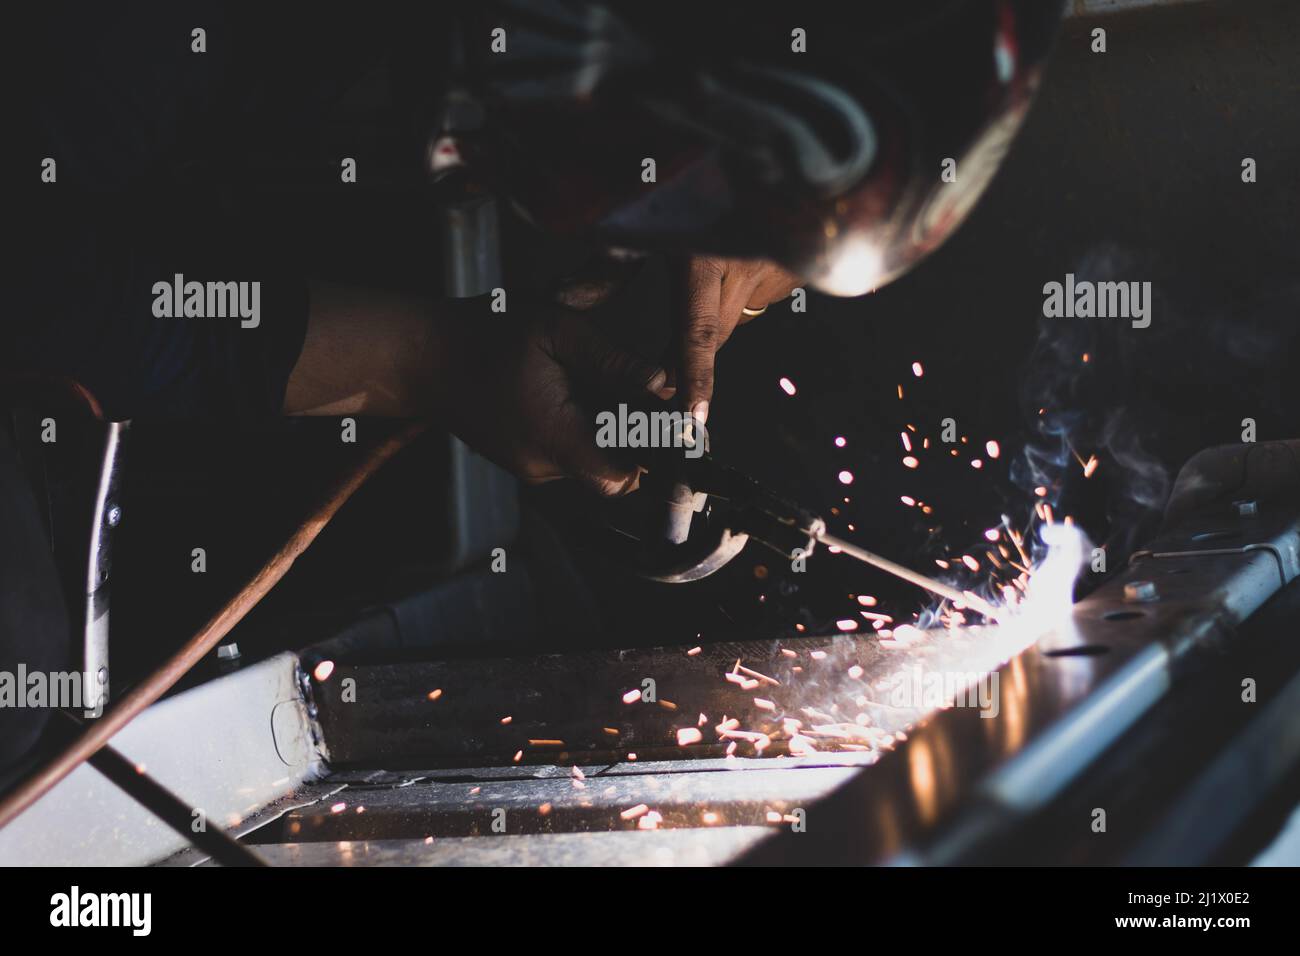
(249, 726)
(961, 783)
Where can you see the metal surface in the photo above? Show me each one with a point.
(940, 785)
(232, 746)
(166, 806)
(617, 848)
(106, 516)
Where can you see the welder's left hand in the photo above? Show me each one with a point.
(716, 293)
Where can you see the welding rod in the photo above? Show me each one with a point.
(907, 574)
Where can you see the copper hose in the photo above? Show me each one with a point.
(97, 734)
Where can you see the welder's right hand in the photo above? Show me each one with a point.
(511, 391)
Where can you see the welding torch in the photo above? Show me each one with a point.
(692, 515)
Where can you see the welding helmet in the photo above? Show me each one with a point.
(844, 141)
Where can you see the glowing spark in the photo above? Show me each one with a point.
(323, 670)
(650, 821)
(908, 500)
(338, 807)
(689, 735)
(631, 697)
(519, 755)
(970, 562)
(845, 625)
(855, 672)
(693, 651)
(1040, 491)
(435, 694)
(992, 448)
(917, 370)
(910, 462)
(846, 477)
(787, 386)
(976, 464)
(992, 534)
(1090, 466)
(631, 813)
(866, 600)
(840, 442)
(907, 442)
(506, 720)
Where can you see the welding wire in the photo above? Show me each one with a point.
(907, 574)
(96, 735)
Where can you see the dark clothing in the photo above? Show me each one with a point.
(34, 628)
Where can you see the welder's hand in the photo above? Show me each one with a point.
(512, 393)
(715, 291)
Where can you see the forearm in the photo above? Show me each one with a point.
(367, 352)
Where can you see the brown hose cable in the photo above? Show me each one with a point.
(96, 735)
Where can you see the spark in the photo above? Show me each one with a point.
(435, 694)
(907, 441)
(908, 500)
(917, 370)
(846, 477)
(866, 600)
(993, 449)
(845, 625)
(631, 813)
(650, 821)
(689, 735)
(693, 651)
(631, 697)
(976, 464)
(506, 720)
(787, 386)
(1090, 466)
(323, 671)
(910, 462)
(839, 441)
